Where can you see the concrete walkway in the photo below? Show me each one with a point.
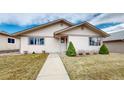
(53, 69)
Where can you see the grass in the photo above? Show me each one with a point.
(21, 67)
(95, 67)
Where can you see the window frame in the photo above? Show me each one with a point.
(11, 40)
(36, 41)
(98, 43)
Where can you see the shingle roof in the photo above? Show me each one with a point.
(115, 36)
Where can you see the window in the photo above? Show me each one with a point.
(11, 40)
(41, 41)
(36, 41)
(95, 41)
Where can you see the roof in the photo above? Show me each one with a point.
(115, 36)
(104, 34)
(42, 26)
(4, 33)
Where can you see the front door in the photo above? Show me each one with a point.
(63, 42)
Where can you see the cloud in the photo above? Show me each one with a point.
(109, 22)
(115, 28)
(23, 19)
(108, 18)
(98, 19)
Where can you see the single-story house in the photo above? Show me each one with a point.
(8, 43)
(55, 36)
(115, 42)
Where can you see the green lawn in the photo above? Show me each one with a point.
(95, 67)
(21, 67)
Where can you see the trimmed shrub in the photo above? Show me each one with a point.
(71, 50)
(103, 50)
(33, 52)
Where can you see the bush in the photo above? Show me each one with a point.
(103, 50)
(33, 52)
(71, 50)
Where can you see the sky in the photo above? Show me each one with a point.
(14, 22)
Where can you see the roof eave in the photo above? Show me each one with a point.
(101, 31)
(5, 34)
(43, 25)
(104, 34)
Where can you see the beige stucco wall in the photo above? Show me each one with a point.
(51, 44)
(80, 31)
(48, 31)
(115, 47)
(4, 45)
(82, 43)
(80, 39)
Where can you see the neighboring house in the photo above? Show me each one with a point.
(54, 37)
(8, 43)
(115, 42)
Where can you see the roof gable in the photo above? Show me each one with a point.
(43, 26)
(86, 24)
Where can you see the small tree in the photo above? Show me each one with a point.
(71, 50)
(33, 52)
(103, 50)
